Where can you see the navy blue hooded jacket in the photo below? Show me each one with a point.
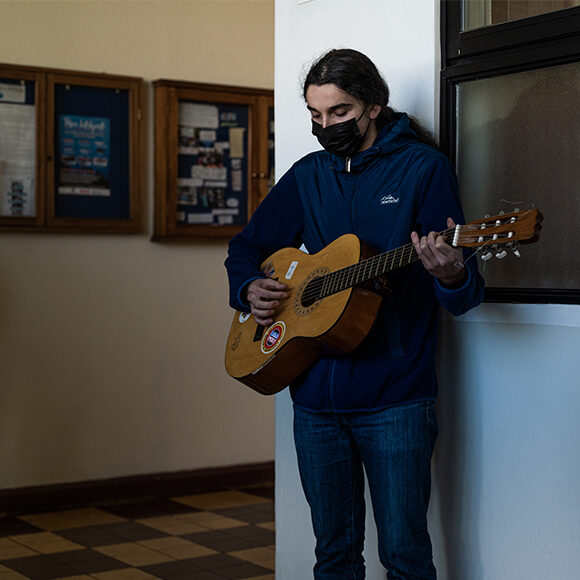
(396, 186)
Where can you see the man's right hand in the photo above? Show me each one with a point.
(264, 296)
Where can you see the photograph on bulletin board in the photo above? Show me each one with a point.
(212, 164)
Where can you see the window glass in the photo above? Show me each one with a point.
(479, 13)
(517, 143)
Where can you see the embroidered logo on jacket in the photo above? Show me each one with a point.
(389, 199)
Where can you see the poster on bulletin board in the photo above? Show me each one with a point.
(84, 155)
(92, 147)
(212, 164)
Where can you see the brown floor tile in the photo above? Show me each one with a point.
(130, 531)
(244, 570)
(40, 568)
(171, 525)
(127, 574)
(220, 500)
(214, 563)
(87, 561)
(11, 526)
(65, 520)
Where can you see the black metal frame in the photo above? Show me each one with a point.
(522, 45)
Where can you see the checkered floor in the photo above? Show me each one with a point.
(208, 536)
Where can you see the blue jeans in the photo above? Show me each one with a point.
(394, 446)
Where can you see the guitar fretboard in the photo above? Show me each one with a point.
(363, 271)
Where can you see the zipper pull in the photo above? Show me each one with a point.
(348, 164)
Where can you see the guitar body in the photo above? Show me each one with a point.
(267, 359)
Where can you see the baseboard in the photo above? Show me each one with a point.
(69, 495)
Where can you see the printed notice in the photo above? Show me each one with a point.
(237, 142)
(17, 160)
(84, 156)
(12, 93)
(199, 115)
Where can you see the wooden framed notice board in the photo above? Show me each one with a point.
(70, 151)
(214, 157)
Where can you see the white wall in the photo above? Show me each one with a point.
(111, 347)
(506, 502)
(400, 38)
(506, 477)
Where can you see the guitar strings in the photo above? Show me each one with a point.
(376, 266)
(363, 271)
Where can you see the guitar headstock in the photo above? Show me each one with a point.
(504, 229)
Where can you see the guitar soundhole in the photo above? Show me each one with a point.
(308, 294)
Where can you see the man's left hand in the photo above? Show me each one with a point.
(439, 258)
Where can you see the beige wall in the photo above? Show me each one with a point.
(111, 347)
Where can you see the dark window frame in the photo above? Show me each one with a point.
(521, 45)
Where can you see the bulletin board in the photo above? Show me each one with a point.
(213, 157)
(70, 150)
(21, 166)
(212, 164)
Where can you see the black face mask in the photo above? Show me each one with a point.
(341, 139)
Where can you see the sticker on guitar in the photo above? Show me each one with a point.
(273, 337)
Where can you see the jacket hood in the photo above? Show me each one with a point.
(391, 137)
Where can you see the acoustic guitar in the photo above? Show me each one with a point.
(332, 304)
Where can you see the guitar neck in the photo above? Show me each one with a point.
(372, 268)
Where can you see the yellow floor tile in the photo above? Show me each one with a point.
(254, 554)
(268, 526)
(10, 549)
(134, 554)
(173, 525)
(270, 564)
(265, 556)
(178, 548)
(45, 543)
(70, 519)
(211, 521)
(220, 500)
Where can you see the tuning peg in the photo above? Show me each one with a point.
(487, 256)
(501, 255)
(513, 246)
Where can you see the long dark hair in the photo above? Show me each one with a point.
(354, 73)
